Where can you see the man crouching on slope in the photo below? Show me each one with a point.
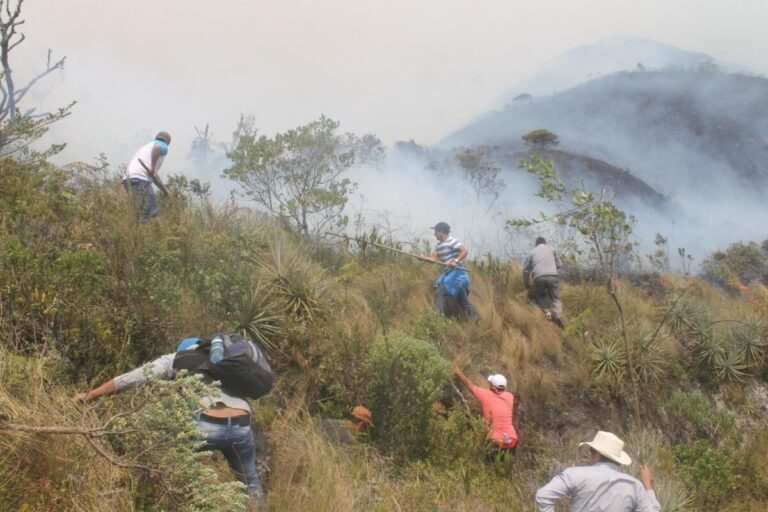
(226, 423)
(498, 406)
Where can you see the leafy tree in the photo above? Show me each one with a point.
(298, 174)
(482, 174)
(19, 129)
(604, 227)
(523, 98)
(540, 139)
(737, 266)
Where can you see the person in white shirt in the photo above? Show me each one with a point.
(602, 486)
(142, 171)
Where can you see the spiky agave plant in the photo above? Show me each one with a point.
(608, 359)
(644, 445)
(689, 320)
(257, 317)
(708, 349)
(750, 338)
(294, 281)
(649, 358)
(672, 494)
(730, 366)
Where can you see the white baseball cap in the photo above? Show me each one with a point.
(497, 380)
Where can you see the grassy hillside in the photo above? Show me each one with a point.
(87, 293)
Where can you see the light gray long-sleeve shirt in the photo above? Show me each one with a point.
(601, 487)
(162, 368)
(542, 261)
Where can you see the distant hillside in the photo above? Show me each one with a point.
(679, 131)
(577, 169)
(609, 55)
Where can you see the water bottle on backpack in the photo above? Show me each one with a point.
(216, 353)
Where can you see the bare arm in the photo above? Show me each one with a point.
(463, 378)
(152, 175)
(463, 252)
(107, 388)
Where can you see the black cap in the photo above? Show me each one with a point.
(442, 226)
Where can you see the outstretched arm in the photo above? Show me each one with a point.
(463, 378)
(105, 389)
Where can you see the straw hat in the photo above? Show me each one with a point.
(609, 446)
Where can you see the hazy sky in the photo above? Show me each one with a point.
(400, 69)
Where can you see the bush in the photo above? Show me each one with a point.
(403, 376)
(738, 266)
(708, 473)
(692, 417)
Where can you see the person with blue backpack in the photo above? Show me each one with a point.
(243, 372)
(454, 281)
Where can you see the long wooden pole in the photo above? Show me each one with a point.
(417, 256)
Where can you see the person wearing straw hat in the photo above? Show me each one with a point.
(602, 486)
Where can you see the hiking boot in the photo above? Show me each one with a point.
(548, 316)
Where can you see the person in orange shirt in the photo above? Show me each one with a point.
(498, 412)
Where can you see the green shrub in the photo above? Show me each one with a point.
(403, 376)
(692, 417)
(709, 474)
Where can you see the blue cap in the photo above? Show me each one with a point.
(186, 343)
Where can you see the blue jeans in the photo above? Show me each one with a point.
(143, 196)
(237, 445)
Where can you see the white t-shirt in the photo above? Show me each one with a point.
(136, 170)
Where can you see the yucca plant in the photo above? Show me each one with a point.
(750, 338)
(686, 318)
(708, 349)
(608, 359)
(730, 366)
(258, 319)
(673, 495)
(649, 358)
(295, 282)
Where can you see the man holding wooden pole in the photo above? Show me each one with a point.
(454, 281)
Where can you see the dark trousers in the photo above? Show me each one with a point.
(442, 297)
(545, 292)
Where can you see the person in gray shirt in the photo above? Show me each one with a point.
(601, 487)
(543, 265)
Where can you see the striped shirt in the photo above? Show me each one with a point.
(448, 249)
